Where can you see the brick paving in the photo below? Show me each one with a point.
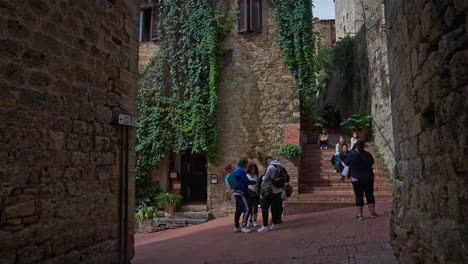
(322, 237)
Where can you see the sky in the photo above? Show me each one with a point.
(324, 9)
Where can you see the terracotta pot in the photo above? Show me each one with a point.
(168, 210)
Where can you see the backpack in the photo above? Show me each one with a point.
(231, 181)
(266, 189)
(281, 177)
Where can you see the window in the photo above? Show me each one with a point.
(250, 16)
(148, 24)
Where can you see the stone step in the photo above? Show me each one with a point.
(192, 215)
(193, 208)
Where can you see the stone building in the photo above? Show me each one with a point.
(266, 114)
(348, 17)
(427, 53)
(326, 28)
(67, 70)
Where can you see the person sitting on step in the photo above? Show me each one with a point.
(338, 148)
(323, 139)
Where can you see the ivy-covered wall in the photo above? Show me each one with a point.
(256, 99)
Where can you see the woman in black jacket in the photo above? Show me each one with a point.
(362, 176)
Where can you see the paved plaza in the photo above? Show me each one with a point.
(322, 237)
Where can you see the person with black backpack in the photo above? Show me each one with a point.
(273, 182)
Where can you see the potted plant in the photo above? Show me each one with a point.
(358, 122)
(144, 217)
(290, 151)
(331, 114)
(169, 201)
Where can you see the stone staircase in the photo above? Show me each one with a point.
(321, 189)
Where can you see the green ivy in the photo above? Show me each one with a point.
(296, 39)
(340, 56)
(177, 91)
(290, 151)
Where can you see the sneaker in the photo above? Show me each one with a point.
(237, 229)
(263, 229)
(255, 223)
(245, 230)
(335, 171)
(249, 224)
(320, 147)
(326, 147)
(273, 227)
(373, 215)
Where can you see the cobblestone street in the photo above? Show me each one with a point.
(323, 237)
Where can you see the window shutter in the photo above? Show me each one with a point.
(256, 15)
(155, 23)
(243, 26)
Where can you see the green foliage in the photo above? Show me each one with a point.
(359, 121)
(343, 53)
(168, 199)
(290, 151)
(331, 113)
(296, 40)
(177, 91)
(146, 212)
(324, 66)
(340, 56)
(145, 195)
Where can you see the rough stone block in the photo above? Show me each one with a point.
(23, 209)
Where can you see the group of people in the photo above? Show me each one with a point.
(254, 190)
(355, 163)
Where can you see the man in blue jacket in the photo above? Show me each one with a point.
(240, 192)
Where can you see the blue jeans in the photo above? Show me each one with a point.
(338, 166)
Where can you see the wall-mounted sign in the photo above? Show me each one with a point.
(176, 186)
(173, 175)
(214, 179)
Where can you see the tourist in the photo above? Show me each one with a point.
(354, 139)
(323, 139)
(253, 194)
(242, 205)
(271, 196)
(343, 154)
(338, 148)
(362, 177)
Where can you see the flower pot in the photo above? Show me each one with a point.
(168, 211)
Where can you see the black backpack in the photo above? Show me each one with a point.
(281, 177)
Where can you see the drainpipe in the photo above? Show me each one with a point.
(125, 121)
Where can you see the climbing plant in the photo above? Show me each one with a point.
(177, 89)
(339, 56)
(293, 20)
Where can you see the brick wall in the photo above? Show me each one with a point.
(67, 69)
(428, 51)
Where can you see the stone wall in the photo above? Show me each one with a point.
(326, 27)
(257, 98)
(146, 51)
(67, 69)
(349, 89)
(348, 17)
(379, 83)
(428, 51)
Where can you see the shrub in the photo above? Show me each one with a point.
(290, 151)
(168, 199)
(146, 212)
(359, 121)
(145, 195)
